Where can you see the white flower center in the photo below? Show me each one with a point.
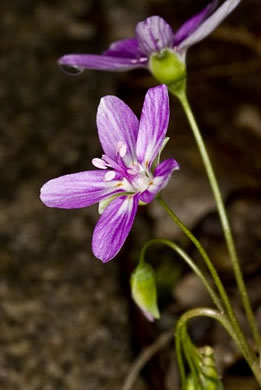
(141, 182)
(140, 179)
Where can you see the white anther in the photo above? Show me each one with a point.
(99, 163)
(109, 175)
(121, 149)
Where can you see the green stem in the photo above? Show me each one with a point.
(180, 360)
(190, 263)
(214, 274)
(183, 340)
(222, 214)
(189, 351)
(211, 313)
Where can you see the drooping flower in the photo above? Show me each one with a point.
(125, 176)
(156, 46)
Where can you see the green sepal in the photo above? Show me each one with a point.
(164, 143)
(167, 67)
(105, 202)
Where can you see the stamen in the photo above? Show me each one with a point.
(122, 149)
(107, 159)
(110, 163)
(134, 170)
(110, 175)
(99, 163)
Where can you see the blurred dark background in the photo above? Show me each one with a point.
(66, 320)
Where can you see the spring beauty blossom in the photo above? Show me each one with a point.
(128, 173)
(154, 40)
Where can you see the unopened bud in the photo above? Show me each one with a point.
(208, 375)
(144, 292)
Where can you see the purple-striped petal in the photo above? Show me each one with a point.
(153, 124)
(154, 34)
(209, 24)
(192, 24)
(161, 177)
(113, 227)
(117, 125)
(100, 62)
(78, 190)
(125, 48)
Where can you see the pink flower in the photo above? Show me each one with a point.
(153, 36)
(125, 176)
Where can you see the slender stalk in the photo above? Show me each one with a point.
(222, 214)
(211, 313)
(189, 352)
(210, 290)
(214, 274)
(190, 263)
(180, 359)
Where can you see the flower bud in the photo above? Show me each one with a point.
(208, 374)
(167, 67)
(144, 292)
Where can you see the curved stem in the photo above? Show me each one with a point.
(190, 263)
(213, 272)
(211, 313)
(222, 214)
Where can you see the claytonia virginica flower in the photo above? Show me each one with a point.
(156, 46)
(125, 176)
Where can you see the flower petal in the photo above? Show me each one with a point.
(125, 48)
(78, 190)
(113, 227)
(153, 124)
(161, 177)
(154, 34)
(192, 24)
(209, 24)
(117, 125)
(100, 62)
